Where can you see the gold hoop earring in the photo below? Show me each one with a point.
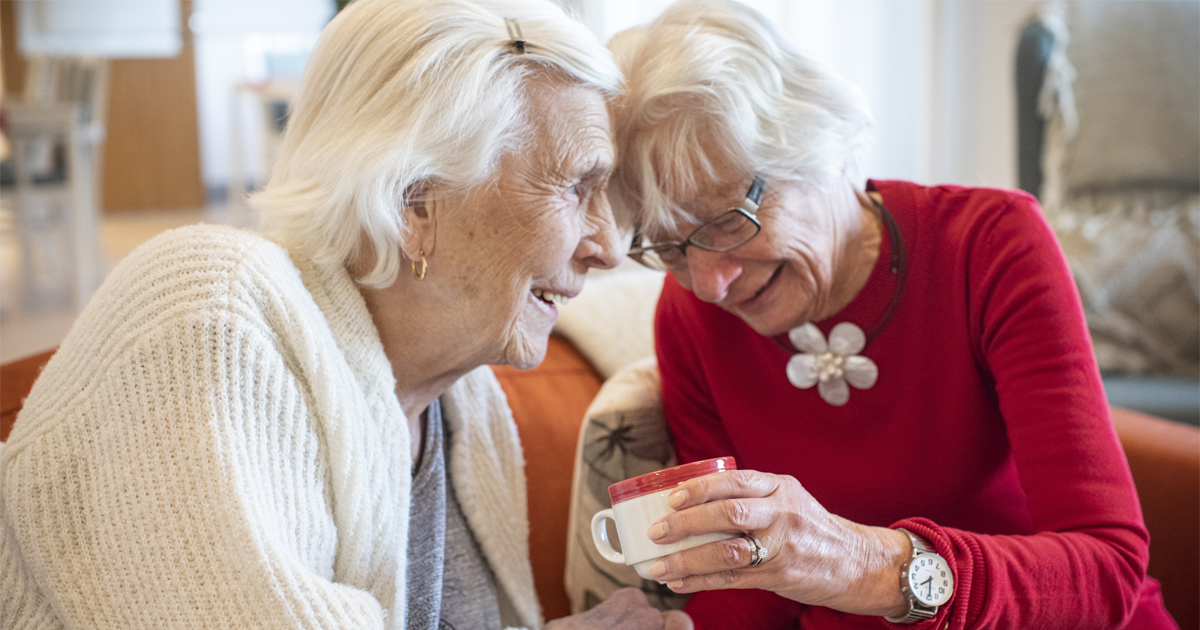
(420, 275)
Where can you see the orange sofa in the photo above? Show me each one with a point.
(549, 402)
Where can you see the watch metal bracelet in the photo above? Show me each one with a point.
(919, 543)
(916, 612)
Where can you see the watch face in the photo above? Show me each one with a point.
(930, 579)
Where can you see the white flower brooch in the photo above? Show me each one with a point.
(831, 366)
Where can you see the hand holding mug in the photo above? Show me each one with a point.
(812, 556)
(641, 501)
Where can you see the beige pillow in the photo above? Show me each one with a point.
(612, 321)
(1136, 258)
(1137, 93)
(623, 435)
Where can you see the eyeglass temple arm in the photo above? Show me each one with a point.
(635, 242)
(756, 189)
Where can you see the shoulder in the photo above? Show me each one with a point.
(972, 219)
(182, 302)
(202, 282)
(947, 201)
(194, 268)
(201, 253)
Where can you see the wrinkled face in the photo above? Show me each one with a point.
(784, 276)
(525, 239)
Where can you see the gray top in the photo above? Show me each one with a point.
(450, 586)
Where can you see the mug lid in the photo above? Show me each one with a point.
(667, 478)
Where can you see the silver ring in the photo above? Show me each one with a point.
(758, 552)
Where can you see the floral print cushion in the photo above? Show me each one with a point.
(623, 435)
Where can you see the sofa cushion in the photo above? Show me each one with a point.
(548, 403)
(623, 435)
(612, 321)
(1164, 458)
(1122, 172)
(1135, 255)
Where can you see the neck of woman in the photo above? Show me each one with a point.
(426, 352)
(859, 231)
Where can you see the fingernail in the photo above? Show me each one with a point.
(676, 499)
(657, 530)
(657, 569)
(676, 585)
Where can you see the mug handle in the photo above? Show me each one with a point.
(600, 537)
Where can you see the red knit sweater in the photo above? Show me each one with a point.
(987, 432)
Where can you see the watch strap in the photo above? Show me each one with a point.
(920, 544)
(916, 611)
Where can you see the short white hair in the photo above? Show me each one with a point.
(401, 93)
(717, 69)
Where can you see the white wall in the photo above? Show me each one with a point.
(938, 75)
(231, 39)
(974, 138)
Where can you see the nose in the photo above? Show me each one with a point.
(709, 274)
(601, 243)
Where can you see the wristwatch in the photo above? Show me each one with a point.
(926, 581)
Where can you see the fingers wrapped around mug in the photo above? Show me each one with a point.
(788, 544)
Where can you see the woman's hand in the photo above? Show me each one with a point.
(626, 609)
(813, 557)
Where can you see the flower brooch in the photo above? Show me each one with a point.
(830, 366)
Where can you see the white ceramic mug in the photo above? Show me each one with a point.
(638, 503)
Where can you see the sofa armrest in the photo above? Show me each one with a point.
(16, 379)
(1164, 457)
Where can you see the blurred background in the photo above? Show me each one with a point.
(123, 118)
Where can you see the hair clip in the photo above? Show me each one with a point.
(514, 33)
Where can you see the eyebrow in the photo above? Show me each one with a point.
(599, 168)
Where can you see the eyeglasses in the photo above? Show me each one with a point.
(727, 231)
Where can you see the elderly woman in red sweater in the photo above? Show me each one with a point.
(904, 369)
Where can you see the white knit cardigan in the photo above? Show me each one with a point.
(217, 443)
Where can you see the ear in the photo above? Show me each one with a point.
(420, 217)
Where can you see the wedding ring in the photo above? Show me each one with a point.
(758, 553)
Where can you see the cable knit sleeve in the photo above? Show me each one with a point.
(168, 470)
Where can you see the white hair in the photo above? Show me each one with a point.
(398, 94)
(718, 70)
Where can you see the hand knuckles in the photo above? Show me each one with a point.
(732, 552)
(677, 620)
(736, 512)
(744, 478)
(680, 564)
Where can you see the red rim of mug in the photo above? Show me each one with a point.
(667, 478)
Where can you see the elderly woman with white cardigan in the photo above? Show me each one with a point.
(300, 430)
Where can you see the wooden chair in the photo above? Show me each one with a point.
(59, 118)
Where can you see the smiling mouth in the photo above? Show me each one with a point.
(550, 297)
(770, 281)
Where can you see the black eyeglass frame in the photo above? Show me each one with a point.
(748, 209)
